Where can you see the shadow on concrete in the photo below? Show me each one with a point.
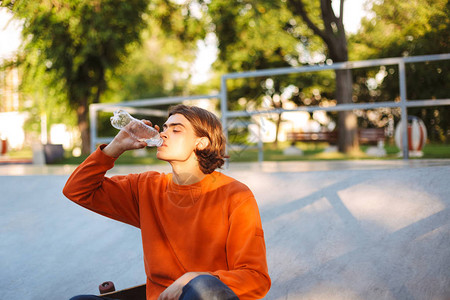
(325, 246)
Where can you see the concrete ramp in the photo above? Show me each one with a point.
(334, 230)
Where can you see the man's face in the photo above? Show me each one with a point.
(179, 138)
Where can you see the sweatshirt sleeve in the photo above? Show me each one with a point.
(113, 197)
(246, 253)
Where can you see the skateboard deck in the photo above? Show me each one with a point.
(132, 293)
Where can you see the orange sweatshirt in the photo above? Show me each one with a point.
(211, 226)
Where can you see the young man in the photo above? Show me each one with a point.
(201, 230)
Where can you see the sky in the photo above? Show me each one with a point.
(10, 36)
(353, 12)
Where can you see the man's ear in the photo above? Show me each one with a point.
(202, 143)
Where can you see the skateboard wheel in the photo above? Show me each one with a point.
(106, 287)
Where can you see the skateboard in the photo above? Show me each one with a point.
(107, 289)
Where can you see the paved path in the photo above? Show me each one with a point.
(334, 230)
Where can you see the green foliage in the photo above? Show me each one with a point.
(267, 34)
(82, 51)
(262, 35)
(259, 35)
(404, 29)
(181, 21)
(407, 29)
(159, 67)
(79, 52)
(40, 98)
(77, 42)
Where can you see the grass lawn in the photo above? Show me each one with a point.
(311, 152)
(145, 157)
(316, 152)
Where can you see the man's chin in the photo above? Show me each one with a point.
(161, 157)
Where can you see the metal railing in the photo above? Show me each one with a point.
(226, 114)
(130, 106)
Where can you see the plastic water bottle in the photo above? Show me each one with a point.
(137, 129)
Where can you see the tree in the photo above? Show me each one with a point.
(162, 64)
(44, 104)
(408, 29)
(279, 31)
(78, 42)
(160, 67)
(251, 36)
(333, 34)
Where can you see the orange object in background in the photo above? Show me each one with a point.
(3, 146)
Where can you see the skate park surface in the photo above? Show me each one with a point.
(369, 229)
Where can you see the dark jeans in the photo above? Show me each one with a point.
(203, 287)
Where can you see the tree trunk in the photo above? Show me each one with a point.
(278, 105)
(333, 34)
(83, 126)
(347, 122)
(337, 46)
(278, 124)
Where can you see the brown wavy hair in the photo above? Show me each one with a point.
(205, 124)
